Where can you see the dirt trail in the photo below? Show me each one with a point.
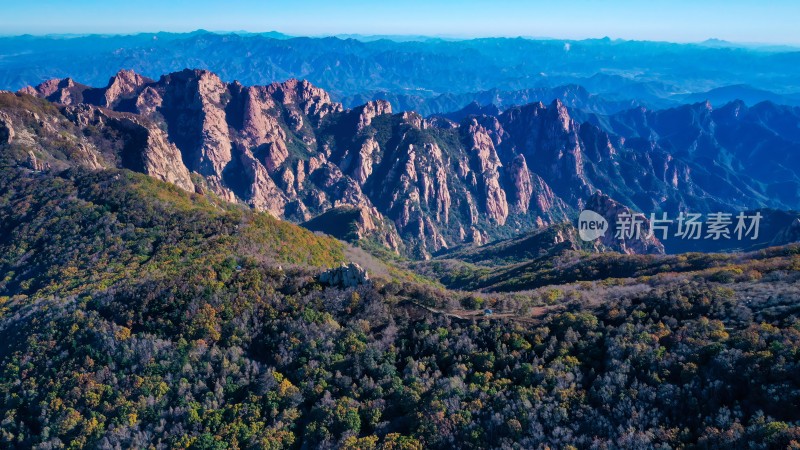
(534, 316)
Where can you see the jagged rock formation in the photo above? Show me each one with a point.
(34, 164)
(6, 130)
(125, 84)
(354, 224)
(637, 241)
(431, 183)
(44, 137)
(485, 166)
(350, 275)
(147, 148)
(522, 184)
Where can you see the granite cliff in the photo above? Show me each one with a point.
(420, 185)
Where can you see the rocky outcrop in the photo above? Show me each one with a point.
(263, 193)
(63, 91)
(346, 276)
(354, 224)
(214, 152)
(414, 189)
(6, 130)
(550, 141)
(362, 162)
(126, 83)
(485, 165)
(148, 102)
(146, 148)
(29, 90)
(522, 184)
(311, 100)
(260, 129)
(162, 160)
(33, 163)
(370, 111)
(638, 240)
(545, 206)
(47, 88)
(436, 183)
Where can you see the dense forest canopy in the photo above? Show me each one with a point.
(135, 315)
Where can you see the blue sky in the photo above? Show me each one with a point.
(772, 21)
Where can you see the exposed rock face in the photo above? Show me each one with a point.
(50, 87)
(353, 224)
(428, 184)
(148, 101)
(359, 165)
(6, 130)
(147, 148)
(263, 193)
(371, 110)
(547, 207)
(611, 210)
(309, 99)
(161, 159)
(350, 275)
(260, 130)
(414, 189)
(522, 183)
(239, 137)
(549, 139)
(193, 106)
(33, 163)
(124, 84)
(64, 91)
(485, 165)
(29, 90)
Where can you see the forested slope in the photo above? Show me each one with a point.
(136, 315)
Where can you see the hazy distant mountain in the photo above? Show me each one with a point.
(648, 72)
(573, 96)
(748, 94)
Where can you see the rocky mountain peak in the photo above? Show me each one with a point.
(49, 87)
(561, 115)
(288, 149)
(125, 83)
(612, 210)
(65, 91)
(371, 110)
(310, 99)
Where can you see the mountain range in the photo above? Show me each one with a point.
(422, 184)
(353, 70)
(381, 245)
(135, 314)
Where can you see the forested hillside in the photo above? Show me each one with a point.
(136, 315)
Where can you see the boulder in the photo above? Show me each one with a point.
(349, 275)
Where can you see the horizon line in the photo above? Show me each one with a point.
(395, 37)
